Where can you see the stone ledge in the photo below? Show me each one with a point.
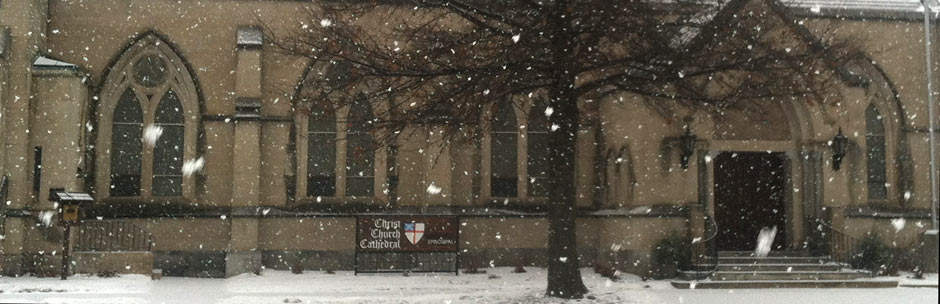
(128, 262)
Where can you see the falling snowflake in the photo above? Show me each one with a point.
(764, 241)
(898, 224)
(433, 189)
(326, 22)
(515, 38)
(193, 165)
(46, 217)
(152, 134)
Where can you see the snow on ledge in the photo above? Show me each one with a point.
(46, 62)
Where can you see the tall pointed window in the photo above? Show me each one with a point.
(539, 151)
(504, 152)
(343, 156)
(168, 150)
(321, 153)
(360, 149)
(875, 153)
(126, 127)
(148, 117)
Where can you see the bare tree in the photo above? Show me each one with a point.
(448, 61)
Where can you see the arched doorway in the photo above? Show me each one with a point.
(756, 173)
(750, 192)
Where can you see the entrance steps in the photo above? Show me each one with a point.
(782, 269)
(778, 267)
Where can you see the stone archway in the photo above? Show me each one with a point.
(783, 130)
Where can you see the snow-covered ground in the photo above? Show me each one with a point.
(499, 285)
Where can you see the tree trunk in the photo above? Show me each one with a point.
(564, 276)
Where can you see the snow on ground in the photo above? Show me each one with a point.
(499, 285)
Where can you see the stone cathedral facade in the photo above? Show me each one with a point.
(81, 81)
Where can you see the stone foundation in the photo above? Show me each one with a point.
(136, 262)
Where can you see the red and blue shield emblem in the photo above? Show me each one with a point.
(414, 232)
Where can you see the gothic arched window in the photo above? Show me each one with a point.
(168, 150)
(504, 152)
(539, 151)
(875, 154)
(343, 159)
(149, 114)
(321, 153)
(360, 149)
(127, 128)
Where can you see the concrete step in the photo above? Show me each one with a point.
(784, 284)
(787, 276)
(778, 267)
(774, 260)
(784, 253)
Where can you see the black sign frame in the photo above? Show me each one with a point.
(358, 251)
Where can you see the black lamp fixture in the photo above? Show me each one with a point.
(687, 145)
(839, 143)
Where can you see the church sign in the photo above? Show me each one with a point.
(407, 243)
(407, 233)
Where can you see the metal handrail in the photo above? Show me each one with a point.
(706, 264)
(113, 236)
(840, 246)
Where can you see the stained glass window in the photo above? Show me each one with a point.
(875, 148)
(168, 151)
(505, 147)
(360, 149)
(321, 153)
(539, 151)
(126, 146)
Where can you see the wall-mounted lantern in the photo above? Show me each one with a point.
(687, 146)
(839, 143)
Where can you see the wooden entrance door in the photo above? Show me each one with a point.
(749, 195)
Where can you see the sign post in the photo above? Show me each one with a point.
(69, 204)
(389, 243)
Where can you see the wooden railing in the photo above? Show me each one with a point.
(112, 236)
(835, 243)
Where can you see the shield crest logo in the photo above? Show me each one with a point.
(414, 232)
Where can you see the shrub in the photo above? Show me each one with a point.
(671, 254)
(873, 255)
(297, 269)
(107, 274)
(608, 272)
(473, 267)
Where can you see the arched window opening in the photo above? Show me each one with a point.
(875, 154)
(505, 147)
(392, 176)
(321, 153)
(168, 151)
(126, 145)
(539, 151)
(149, 113)
(360, 149)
